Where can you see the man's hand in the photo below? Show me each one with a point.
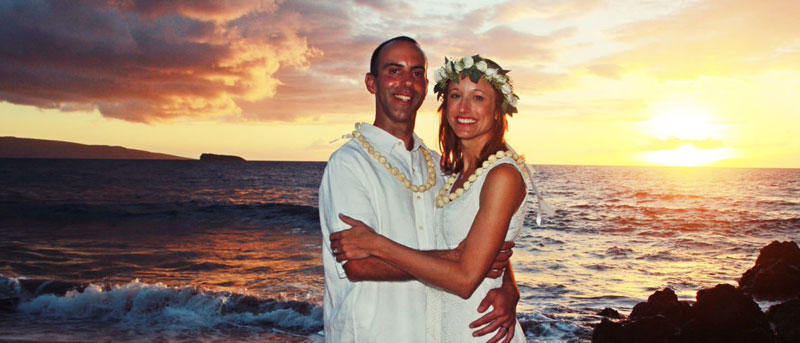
(501, 261)
(502, 318)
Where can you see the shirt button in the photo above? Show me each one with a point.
(421, 228)
(419, 197)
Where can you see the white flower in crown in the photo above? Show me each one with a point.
(491, 72)
(467, 62)
(440, 74)
(459, 66)
(506, 88)
(512, 100)
(481, 65)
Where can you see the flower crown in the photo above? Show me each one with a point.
(476, 67)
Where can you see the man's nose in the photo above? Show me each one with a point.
(407, 81)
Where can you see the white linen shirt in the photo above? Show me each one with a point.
(356, 184)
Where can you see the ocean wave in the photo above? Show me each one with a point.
(138, 305)
(190, 212)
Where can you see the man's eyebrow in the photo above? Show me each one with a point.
(392, 64)
(398, 65)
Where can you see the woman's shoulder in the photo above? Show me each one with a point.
(505, 172)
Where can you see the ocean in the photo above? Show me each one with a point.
(189, 251)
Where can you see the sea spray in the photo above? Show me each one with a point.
(139, 305)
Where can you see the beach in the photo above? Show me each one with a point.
(189, 251)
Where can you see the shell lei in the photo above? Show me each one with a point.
(444, 198)
(405, 180)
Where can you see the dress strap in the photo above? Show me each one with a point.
(542, 206)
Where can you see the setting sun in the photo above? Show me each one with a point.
(686, 122)
(686, 135)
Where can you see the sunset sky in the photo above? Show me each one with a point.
(601, 82)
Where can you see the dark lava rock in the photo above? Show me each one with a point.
(786, 318)
(725, 314)
(611, 313)
(662, 303)
(776, 274)
(657, 320)
(721, 314)
(220, 158)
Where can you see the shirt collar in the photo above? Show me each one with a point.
(384, 142)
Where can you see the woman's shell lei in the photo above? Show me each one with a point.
(444, 198)
(476, 67)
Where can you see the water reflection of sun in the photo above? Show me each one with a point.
(687, 124)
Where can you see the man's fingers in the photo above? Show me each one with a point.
(336, 247)
(498, 336)
(499, 266)
(507, 245)
(487, 300)
(494, 273)
(510, 334)
(487, 329)
(349, 221)
(504, 255)
(483, 320)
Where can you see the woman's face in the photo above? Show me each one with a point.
(471, 109)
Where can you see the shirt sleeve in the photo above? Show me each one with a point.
(343, 191)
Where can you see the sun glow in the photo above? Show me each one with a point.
(687, 122)
(687, 155)
(689, 126)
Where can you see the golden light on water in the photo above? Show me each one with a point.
(687, 155)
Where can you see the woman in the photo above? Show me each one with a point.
(481, 204)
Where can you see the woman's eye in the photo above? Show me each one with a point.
(418, 74)
(478, 97)
(455, 96)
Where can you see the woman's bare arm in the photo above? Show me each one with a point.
(501, 195)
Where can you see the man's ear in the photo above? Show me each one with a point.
(369, 80)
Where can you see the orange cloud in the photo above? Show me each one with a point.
(143, 60)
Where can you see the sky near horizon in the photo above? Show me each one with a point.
(601, 82)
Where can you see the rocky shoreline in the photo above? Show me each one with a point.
(723, 313)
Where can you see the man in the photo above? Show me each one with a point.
(385, 180)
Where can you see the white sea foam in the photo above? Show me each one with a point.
(138, 305)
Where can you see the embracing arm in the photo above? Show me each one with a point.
(376, 269)
(502, 194)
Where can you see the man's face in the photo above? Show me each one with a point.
(401, 83)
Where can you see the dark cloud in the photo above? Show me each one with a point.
(138, 60)
(147, 60)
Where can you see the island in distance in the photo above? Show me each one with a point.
(13, 147)
(220, 158)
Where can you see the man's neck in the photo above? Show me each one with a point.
(403, 131)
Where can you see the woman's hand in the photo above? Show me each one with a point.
(354, 243)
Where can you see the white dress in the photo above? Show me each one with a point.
(449, 312)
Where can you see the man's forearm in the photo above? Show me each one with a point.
(375, 269)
